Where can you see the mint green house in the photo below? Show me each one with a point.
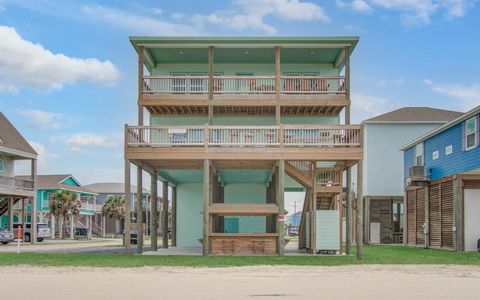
(231, 124)
(48, 185)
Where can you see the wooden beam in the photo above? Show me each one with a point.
(359, 206)
(174, 216)
(347, 84)
(313, 215)
(458, 213)
(281, 206)
(154, 212)
(34, 201)
(227, 209)
(139, 210)
(277, 72)
(206, 206)
(348, 212)
(128, 198)
(165, 215)
(210, 73)
(140, 84)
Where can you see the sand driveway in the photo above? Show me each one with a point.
(263, 282)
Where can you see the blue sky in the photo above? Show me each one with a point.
(68, 71)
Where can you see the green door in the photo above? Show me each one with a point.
(231, 225)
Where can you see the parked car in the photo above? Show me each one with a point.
(43, 231)
(6, 236)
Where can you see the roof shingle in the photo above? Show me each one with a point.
(416, 114)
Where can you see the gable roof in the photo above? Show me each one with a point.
(111, 188)
(54, 182)
(463, 117)
(416, 115)
(11, 141)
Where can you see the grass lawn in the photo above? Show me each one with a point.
(373, 255)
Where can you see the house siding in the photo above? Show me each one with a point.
(383, 168)
(458, 161)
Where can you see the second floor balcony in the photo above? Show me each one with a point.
(198, 86)
(16, 183)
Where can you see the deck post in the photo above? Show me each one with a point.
(165, 215)
(348, 212)
(206, 202)
(139, 210)
(140, 84)
(277, 72)
(281, 206)
(347, 84)
(128, 199)
(10, 214)
(33, 220)
(313, 216)
(458, 213)
(174, 216)
(366, 214)
(153, 212)
(359, 220)
(23, 219)
(210, 83)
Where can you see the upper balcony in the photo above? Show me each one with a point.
(188, 74)
(291, 142)
(16, 186)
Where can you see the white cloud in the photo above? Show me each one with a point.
(367, 106)
(252, 14)
(412, 11)
(43, 155)
(389, 82)
(467, 95)
(43, 119)
(91, 139)
(138, 24)
(157, 10)
(25, 64)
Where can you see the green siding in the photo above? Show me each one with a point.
(189, 217)
(247, 193)
(70, 181)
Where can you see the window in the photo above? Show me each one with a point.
(2, 166)
(419, 154)
(471, 133)
(448, 150)
(435, 155)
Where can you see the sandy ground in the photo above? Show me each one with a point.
(67, 245)
(263, 282)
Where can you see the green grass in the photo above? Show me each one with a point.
(373, 255)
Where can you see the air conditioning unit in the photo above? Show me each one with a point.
(416, 175)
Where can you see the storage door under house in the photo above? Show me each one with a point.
(415, 216)
(472, 218)
(381, 221)
(447, 214)
(411, 217)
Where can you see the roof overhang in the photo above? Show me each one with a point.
(17, 154)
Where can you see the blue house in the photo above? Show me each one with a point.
(442, 193)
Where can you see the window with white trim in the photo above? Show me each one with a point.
(471, 133)
(419, 154)
(435, 155)
(448, 150)
(2, 166)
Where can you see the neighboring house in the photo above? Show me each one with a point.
(16, 192)
(442, 176)
(294, 219)
(383, 187)
(114, 189)
(48, 185)
(236, 121)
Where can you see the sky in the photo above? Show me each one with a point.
(68, 72)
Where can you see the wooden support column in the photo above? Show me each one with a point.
(359, 210)
(281, 205)
(139, 210)
(458, 213)
(174, 216)
(405, 218)
(347, 84)
(154, 212)
(313, 210)
(206, 206)
(33, 221)
(140, 84)
(427, 217)
(348, 212)
(10, 214)
(23, 219)
(210, 83)
(128, 199)
(165, 215)
(278, 117)
(366, 213)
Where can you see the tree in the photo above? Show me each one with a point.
(114, 208)
(62, 204)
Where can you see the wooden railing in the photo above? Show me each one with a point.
(308, 85)
(225, 136)
(328, 177)
(312, 85)
(13, 182)
(305, 167)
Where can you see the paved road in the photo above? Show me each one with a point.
(346, 282)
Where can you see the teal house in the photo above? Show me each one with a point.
(230, 124)
(48, 185)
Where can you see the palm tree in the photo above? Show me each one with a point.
(62, 204)
(114, 208)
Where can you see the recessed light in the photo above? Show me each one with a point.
(246, 52)
(181, 52)
(312, 53)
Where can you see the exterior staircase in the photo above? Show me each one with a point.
(301, 171)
